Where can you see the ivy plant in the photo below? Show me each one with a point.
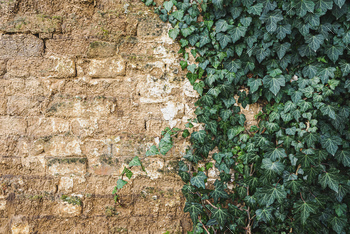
(291, 172)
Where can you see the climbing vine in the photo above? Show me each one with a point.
(291, 172)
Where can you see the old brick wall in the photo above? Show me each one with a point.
(86, 85)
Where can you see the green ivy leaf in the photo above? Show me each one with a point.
(168, 5)
(232, 132)
(330, 143)
(152, 151)
(338, 223)
(256, 9)
(329, 179)
(276, 154)
(173, 33)
(220, 215)
(276, 167)
(121, 183)
(343, 156)
(198, 180)
(264, 214)
(254, 84)
(194, 209)
(274, 83)
(305, 209)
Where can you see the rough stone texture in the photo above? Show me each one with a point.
(86, 85)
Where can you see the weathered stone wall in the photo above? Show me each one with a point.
(86, 85)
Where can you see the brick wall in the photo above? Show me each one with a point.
(84, 87)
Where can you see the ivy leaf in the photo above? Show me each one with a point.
(328, 110)
(305, 209)
(311, 139)
(274, 83)
(304, 6)
(267, 196)
(345, 67)
(198, 180)
(219, 192)
(237, 32)
(330, 143)
(220, 215)
(179, 14)
(165, 144)
(276, 167)
(314, 41)
(192, 157)
(333, 52)
(256, 9)
(127, 172)
(233, 66)
(276, 153)
(199, 136)
(261, 54)
(271, 19)
(343, 156)
(310, 71)
(325, 73)
(135, 162)
(194, 209)
(340, 3)
(282, 31)
(221, 26)
(218, 4)
(338, 223)
(168, 5)
(152, 151)
(329, 179)
(324, 5)
(223, 39)
(121, 183)
(173, 33)
(254, 84)
(282, 49)
(264, 214)
(232, 132)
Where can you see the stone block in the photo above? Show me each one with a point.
(66, 210)
(23, 105)
(3, 105)
(53, 67)
(62, 146)
(101, 49)
(12, 46)
(150, 28)
(12, 126)
(81, 107)
(106, 68)
(34, 24)
(68, 47)
(43, 126)
(65, 165)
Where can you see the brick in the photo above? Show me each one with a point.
(20, 46)
(53, 67)
(12, 126)
(42, 126)
(101, 49)
(64, 165)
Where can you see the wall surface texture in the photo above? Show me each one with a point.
(86, 85)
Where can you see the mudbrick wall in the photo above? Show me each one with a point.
(86, 85)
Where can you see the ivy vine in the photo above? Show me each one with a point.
(291, 172)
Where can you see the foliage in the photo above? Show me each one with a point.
(292, 170)
(74, 200)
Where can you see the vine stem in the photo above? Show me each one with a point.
(302, 197)
(211, 204)
(204, 226)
